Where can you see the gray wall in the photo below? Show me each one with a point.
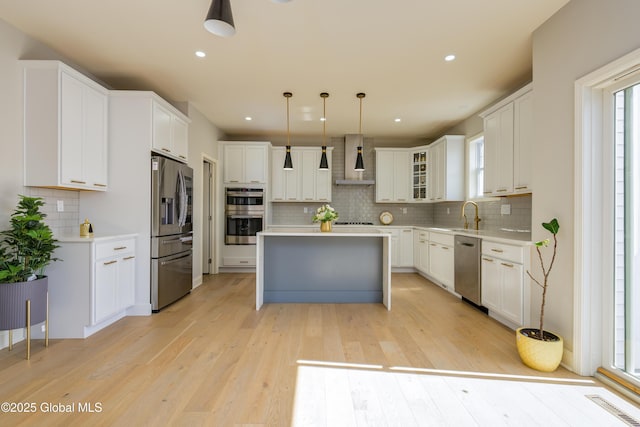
(580, 38)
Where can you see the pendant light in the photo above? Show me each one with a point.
(324, 164)
(288, 164)
(219, 20)
(359, 162)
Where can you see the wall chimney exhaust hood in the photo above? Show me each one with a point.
(351, 177)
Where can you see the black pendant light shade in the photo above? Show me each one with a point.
(288, 164)
(359, 162)
(220, 19)
(324, 164)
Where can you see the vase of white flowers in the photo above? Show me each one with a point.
(325, 215)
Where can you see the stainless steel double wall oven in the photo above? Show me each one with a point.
(244, 214)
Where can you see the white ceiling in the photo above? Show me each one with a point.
(391, 50)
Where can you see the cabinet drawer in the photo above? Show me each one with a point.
(115, 248)
(502, 251)
(443, 239)
(423, 236)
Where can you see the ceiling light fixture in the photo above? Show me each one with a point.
(398, 120)
(449, 58)
(288, 164)
(219, 20)
(359, 162)
(200, 54)
(324, 164)
(248, 118)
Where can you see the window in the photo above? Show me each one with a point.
(626, 129)
(475, 168)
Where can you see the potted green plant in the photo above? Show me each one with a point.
(540, 349)
(25, 250)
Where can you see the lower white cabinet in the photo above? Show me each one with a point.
(92, 286)
(401, 246)
(421, 251)
(441, 259)
(503, 283)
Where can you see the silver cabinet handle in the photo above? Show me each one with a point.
(129, 257)
(487, 259)
(110, 262)
(119, 248)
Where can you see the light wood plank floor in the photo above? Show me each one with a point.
(211, 359)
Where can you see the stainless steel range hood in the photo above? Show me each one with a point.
(351, 177)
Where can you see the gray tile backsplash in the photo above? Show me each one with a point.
(357, 203)
(61, 223)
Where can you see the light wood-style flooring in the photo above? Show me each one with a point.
(212, 359)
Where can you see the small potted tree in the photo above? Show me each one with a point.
(540, 349)
(25, 250)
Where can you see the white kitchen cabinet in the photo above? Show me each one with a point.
(420, 174)
(65, 128)
(446, 169)
(508, 134)
(441, 259)
(503, 283)
(421, 251)
(170, 133)
(93, 286)
(393, 175)
(401, 246)
(306, 182)
(245, 162)
(522, 143)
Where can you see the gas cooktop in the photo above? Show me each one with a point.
(353, 223)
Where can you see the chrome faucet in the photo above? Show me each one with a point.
(476, 219)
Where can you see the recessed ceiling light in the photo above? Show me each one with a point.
(397, 120)
(323, 119)
(449, 58)
(248, 118)
(200, 54)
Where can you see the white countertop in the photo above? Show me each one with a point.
(315, 232)
(499, 236)
(70, 238)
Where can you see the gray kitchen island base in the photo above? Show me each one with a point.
(316, 267)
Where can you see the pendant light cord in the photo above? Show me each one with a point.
(288, 144)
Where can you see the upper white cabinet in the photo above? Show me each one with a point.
(420, 174)
(306, 182)
(393, 174)
(245, 162)
(170, 133)
(508, 130)
(446, 169)
(65, 128)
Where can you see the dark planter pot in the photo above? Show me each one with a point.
(13, 307)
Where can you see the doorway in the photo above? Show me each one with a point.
(208, 224)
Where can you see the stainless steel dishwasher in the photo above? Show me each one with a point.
(467, 268)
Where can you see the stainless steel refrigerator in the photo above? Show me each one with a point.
(171, 231)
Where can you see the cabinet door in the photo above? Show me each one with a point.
(71, 131)
(437, 154)
(126, 282)
(309, 166)
(512, 283)
(162, 129)
(491, 283)
(180, 137)
(491, 135)
(256, 164)
(522, 143)
(94, 156)
(105, 303)
(406, 248)
(441, 264)
(292, 178)
(424, 256)
(323, 181)
(384, 176)
(233, 163)
(504, 175)
(277, 175)
(401, 174)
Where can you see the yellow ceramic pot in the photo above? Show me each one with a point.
(541, 355)
(325, 226)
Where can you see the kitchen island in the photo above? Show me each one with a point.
(308, 266)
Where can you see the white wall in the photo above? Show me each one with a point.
(581, 37)
(203, 144)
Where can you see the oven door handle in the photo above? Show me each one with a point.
(244, 194)
(244, 216)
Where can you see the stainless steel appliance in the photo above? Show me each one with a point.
(244, 215)
(467, 268)
(171, 231)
